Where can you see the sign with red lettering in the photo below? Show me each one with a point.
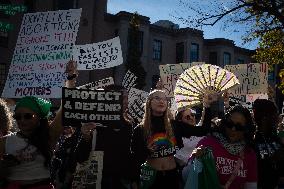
(43, 48)
(252, 77)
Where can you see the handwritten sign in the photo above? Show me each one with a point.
(43, 47)
(252, 77)
(102, 107)
(100, 55)
(136, 101)
(98, 84)
(128, 81)
(246, 100)
(170, 73)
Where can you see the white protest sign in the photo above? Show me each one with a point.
(170, 73)
(43, 48)
(128, 81)
(252, 77)
(100, 55)
(136, 100)
(98, 84)
(89, 173)
(246, 100)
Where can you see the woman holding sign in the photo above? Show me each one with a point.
(26, 154)
(155, 142)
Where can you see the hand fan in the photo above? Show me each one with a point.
(194, 82)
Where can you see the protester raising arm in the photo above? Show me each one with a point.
(56, 125)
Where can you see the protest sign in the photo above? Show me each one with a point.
(98, 84)
(100, 55)
(246, 100)
(128, 81)
(252, 78)
(170, 73)
(43, 48)
(102, 107)
(136, 101)
(89, 173)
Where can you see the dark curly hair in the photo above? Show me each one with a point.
(265, 109)
(250, 126)
(6, 118)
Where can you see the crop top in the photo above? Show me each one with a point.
(31, 165)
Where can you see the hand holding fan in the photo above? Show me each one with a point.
(198, 80)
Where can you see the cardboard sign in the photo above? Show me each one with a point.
(252, 77)
(100, 55)
(98, 84)
(170, 73)
(89, 173)
(246, 100)
(43, 48)
(129, 80)
(136, 101)
(102, 107)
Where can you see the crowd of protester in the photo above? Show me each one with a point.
(239, 150)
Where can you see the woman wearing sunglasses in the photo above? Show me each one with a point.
(154, 144)
(232, 149)
(30, 147)
(29, 150)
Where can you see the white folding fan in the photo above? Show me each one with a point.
(194, 82)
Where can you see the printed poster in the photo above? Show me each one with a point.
(81, 106)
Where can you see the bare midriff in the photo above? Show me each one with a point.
(162, 163)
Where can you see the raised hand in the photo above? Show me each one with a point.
(210, 97)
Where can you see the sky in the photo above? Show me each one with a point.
(166, 9)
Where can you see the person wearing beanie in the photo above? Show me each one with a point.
(268, 147)
(26, 154)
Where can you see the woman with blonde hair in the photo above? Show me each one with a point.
(154, 144)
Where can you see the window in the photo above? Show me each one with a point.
(2, 75)
(226, 59)
(180, 52)
(66, 4)
(157, 50)
(138, 41)
(213, 58)
(240, 61)
(194, 52)
(271, 76)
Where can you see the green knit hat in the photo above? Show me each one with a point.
(38, 105)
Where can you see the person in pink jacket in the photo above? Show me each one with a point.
(232, 149)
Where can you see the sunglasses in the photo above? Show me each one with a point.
(230, 124)
(26, 116)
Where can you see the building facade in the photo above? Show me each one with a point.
(161, 42)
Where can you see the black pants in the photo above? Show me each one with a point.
(166, 180)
